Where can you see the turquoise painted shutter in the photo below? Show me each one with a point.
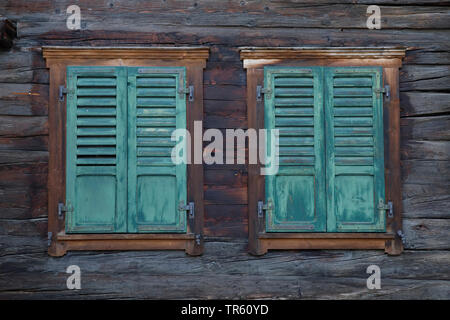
(355, 156)
(296, 194)
(156, 186)
(96, 176)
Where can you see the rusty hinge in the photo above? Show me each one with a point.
(64, 208)
(189, 90)
(190, 208)
(386, 90)
(260, 90)
(262, 207)
(389, 207)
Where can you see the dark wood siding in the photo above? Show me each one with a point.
(226, 270)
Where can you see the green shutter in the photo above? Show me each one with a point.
(156, 186)
(294, 105)
(96, 150)
(355, 156)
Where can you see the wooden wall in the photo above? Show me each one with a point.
(226, 270)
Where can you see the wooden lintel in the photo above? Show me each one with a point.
(322, 53)
(167, 53)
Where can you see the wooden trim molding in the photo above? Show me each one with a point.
(322, 53)
(57, 59)
(390, 58)
(166, 53)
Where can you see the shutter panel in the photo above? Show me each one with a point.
(96, 150)
(297, 192)
(355, 156)
(156, 186)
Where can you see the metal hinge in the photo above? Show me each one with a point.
(62, 208)
(189, 90)
(260, 90)
(262, 207)
(389, 206)
(198, 239)
(49, 238)
(401, 236)
(386, 90)
(62, 91)
(190, 207)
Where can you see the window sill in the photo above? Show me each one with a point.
(305, 241)
(122, 241)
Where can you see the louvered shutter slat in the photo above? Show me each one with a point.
(156, 185)
(355, 156)
(297, 191)
(96, 150)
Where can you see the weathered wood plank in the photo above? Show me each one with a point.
(238, 14)
(424, 78)
(33, 143)
(224, 92)
(23, 67)
(436, 128)
(416, 103)
(29, 227)
(9, 157)
(426, 200)
(23, 191)
(425, 150)
(230, 195)
(23, 126)
(226, 221)
(427, 233)
(224, 73)
(144, 33)
(23, 99)
(425, 172)
(228, 272)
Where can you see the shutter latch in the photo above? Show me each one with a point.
(386, 90)
(189, 90)
(389, 206)
(402, 236)
(49, 238)
(190, 207)
(62, 91)
(260, 90)
(262, 207)
(198, 239)
(62, 208)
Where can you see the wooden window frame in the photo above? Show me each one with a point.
(57, 59)
(390, 59)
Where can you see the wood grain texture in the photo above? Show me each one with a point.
(226, 270)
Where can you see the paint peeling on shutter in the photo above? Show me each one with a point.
(96, 149)
(355, 155)
(297, 191)
(156, 186)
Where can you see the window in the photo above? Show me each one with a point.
(119, 173)
(335, 185)
(330, 123)
(112, 182)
